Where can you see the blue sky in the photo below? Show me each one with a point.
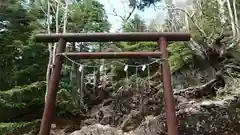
(121, 7)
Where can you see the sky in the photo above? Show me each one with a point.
(121, 7)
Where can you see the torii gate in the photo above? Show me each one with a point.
(161, 38)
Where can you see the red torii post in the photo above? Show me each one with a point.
(161, 37)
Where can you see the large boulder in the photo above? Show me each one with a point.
(97, 129)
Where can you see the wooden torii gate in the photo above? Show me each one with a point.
(161, 38)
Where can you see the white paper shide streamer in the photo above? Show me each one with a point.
(80, 68)
(126, 68)
(143, 67)
(101, 68)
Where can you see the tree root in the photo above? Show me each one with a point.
(206, 90)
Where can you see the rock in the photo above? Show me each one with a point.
(53, 126)
(90, 121)
(211, 119)
(105, 115)
(97, 129)
(71, 128)
(132, 121)
(152, 126)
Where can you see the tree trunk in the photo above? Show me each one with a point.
(231, 18)
(49, 67)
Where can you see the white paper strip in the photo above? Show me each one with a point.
(101, 68)
(143, 67)
(126, 68)
(80, 68)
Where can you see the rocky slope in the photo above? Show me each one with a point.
(211, 108)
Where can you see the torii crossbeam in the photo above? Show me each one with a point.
(160, 37)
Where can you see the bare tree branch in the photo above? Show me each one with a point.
(124, 18)
(65, 17)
